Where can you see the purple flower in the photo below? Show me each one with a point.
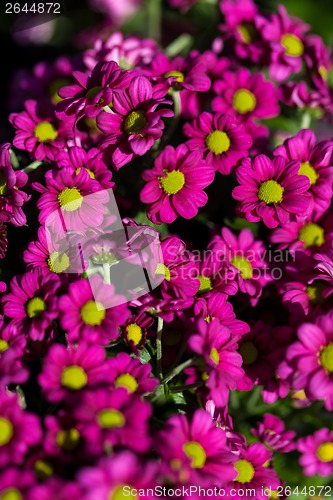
(131, 374)
(271, 432)
(317, 453)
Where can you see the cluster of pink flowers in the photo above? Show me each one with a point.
(98, 393)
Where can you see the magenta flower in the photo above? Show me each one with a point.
(220, 138)
(84, 315)
(271, 432)
(195, 452)
(324, 270)
(271, 190)
(16, 483)
(134, 125)
(32, 303)
(68, 370)
(135, 330)
(317, 453)
(12, 345)
(131, 374)
(175, 184)
(316, 163)
(214, 275)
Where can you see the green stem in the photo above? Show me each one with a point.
(159, 348)
(154, 10)
(32, 166)
(181, 388)
(176, 371)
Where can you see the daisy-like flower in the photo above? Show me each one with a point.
(271, 190)
(85, 317)
(12, 345)
(175, 184)
(135, 330)
(214, 275)
(271, 432)
(317, 453)
(196, 451)
(324, 269)
(32, 303)
(19, 430)
(247, 257)
(316, 163)
(68, 370)
(16, 483)
(131, 374)
(39, 132)
(220, 138)
(135, 123)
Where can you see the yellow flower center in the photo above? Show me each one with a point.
(3, 345)
(70, 199)
(134, 333)
(35, 307)
(178, 74)
(245, 471)
(164, 271)
(196, 453)
(109, 419)
(68, 439)
(308, 170)
(323, 72)
(325, 452)
(312, 235)
(214, 356)
(90, 173)
(135, 121)
(45, 132)
(127, 381)
(6, 431)
(58, 262)
(43, 469)
(92, 313)
(93, 92)
(119, 493)
(205, 284)
(55, 86)
(246, 32)
(3, 185)
(11, 494)
(270, 192)
(326, 358)
(172, 182)
(217, 142)
(74, 377)
(315, 292)
(243, 265)
(292, 45)
(244, 101)
(249, 353)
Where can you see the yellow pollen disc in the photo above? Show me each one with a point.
(292, 45)
(214, 356)
(6, 431)
(92, 313)
(312, 235)
(326, 358)
(325, 452)
(90, 173)
(68, 439)
(217, 142)
(308, 170)
(11, 494)
(246, 32)
(45, 132)
(323, 72)
(249, 353)
(74, 377)
(55, 86)
(243, 265)
(43, 469)
(135, 121)
(205, 284)
(172, 182)
(162, 269)
(300, 395)
(3, 185)
(196, 453)
(134, 333)
(178, 74)
(127, 381)
(270, 192)
(3, 345)
(244, 101)
(70, 199)
(35, 307)
(208, 318)
(58, 262)
(315, 292)
(245, 471)
(119, 493)
(109, 419)
(93, 92)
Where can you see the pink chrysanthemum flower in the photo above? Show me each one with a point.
(135, 330)
(317, 453)
(131, 374)
(195, 452)
(271, 190)
(134, 125)
(92, 92)
(32, 303)
(69, 370)
(324, 269)
(16, 483)
(220, 138)
(214, 275)
(247, 258)
(285, 36)
(84, 316)
(271, 432)
(175, 184)
(19, 430)
(12, 345)
(39, 132)
(316, 163)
